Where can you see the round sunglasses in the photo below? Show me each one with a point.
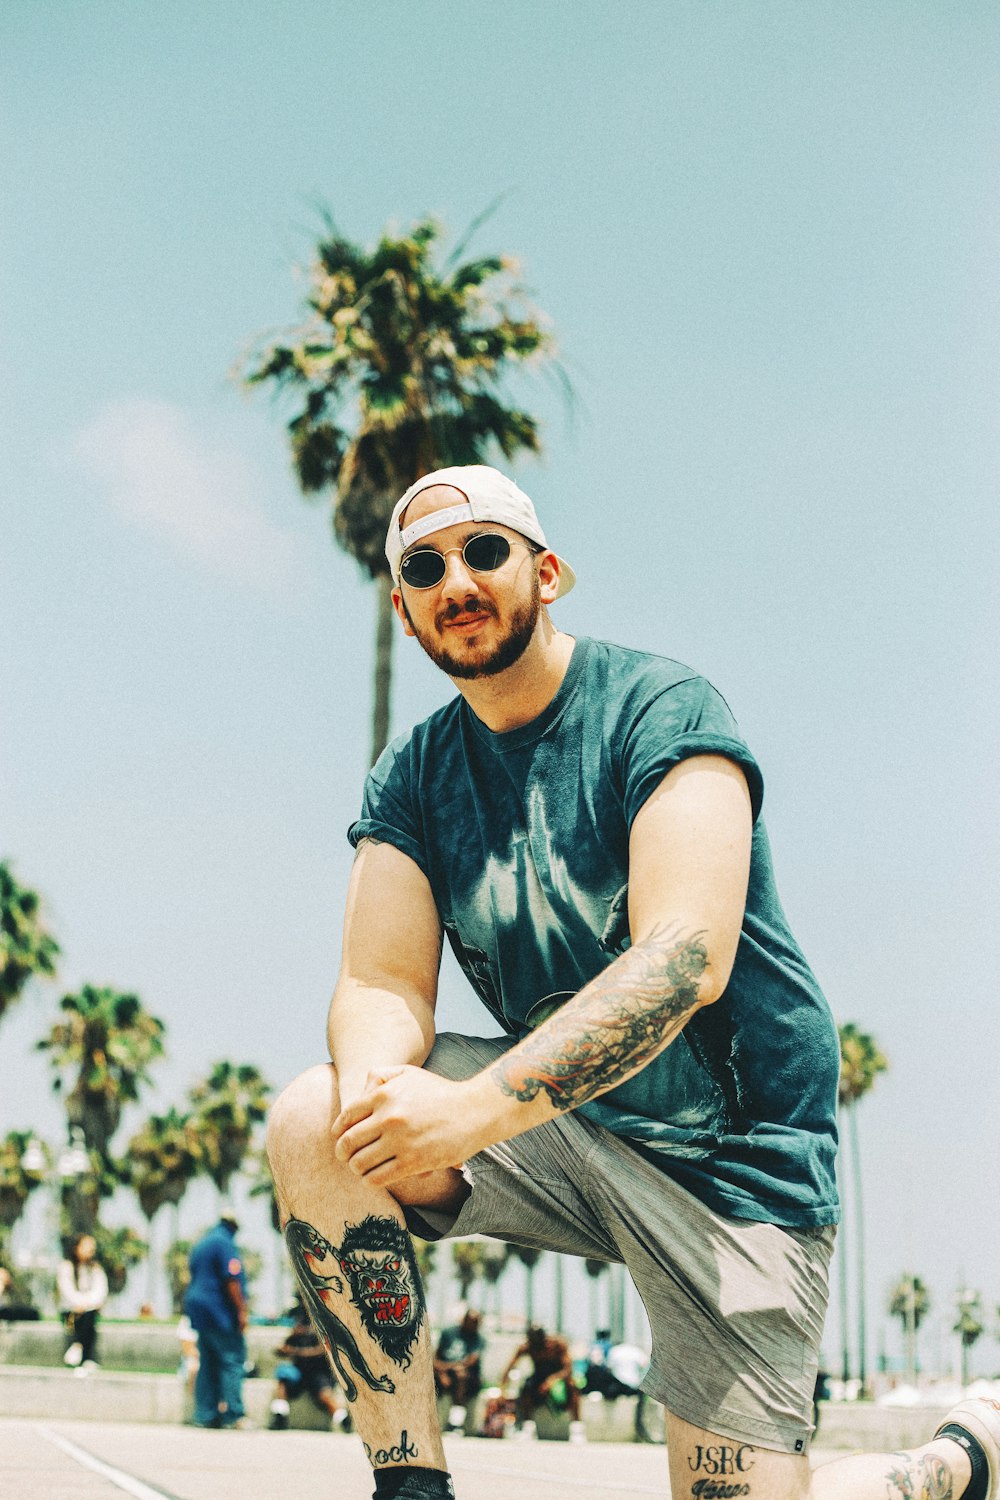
(482, 553)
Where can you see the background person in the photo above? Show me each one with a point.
(549, 1380)
(216, 1304)
(458, 1364)
(82, 1289)
(304, 1371)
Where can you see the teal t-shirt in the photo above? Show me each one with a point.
(523, 837)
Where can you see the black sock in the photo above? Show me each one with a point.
(979, 1484)
(413, 1484)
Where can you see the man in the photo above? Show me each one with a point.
(458, 1364)
(303, 1371)
(583, 823)
(216, 1304)
(551, 1378)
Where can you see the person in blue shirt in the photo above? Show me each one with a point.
(583, 824)
(216, 1304)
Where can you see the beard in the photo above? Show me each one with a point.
(503, 655)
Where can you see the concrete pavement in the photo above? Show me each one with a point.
(65, 1460)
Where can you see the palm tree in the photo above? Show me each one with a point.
(164, 1157)
(529, 1257)
(18, 1182)
(176, 1262)
(227, 1106)
(861, 1061)
(398, 369)
(102, 1047)
(910, 1302)
(468, 1258)
(495, 1258)
(26, 948)
(969, 1325)
(118, 1250)
(595, 1269)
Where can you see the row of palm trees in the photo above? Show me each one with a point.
(101, 1048)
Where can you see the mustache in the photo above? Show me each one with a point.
(472, 605)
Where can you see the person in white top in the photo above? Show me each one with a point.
(83, 1290)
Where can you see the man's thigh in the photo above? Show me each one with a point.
(706, 1466)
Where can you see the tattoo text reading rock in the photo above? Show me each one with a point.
(614, 1027)
(400, 1453)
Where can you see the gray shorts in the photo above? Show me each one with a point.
(735, 1307)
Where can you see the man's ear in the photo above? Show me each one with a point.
(548, 576)
(397, 604)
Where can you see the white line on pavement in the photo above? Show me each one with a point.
(126, 1482)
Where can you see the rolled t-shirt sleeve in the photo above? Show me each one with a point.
(387, 811)
(681, 720)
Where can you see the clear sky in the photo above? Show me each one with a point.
(766, 235)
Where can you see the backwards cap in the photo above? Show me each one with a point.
(488, 496)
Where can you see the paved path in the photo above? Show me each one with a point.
(55, 1460)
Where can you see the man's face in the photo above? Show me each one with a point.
(470, 624)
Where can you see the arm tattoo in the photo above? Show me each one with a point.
(613, 1028)
(376, 1259)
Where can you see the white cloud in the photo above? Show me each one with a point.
(201, 498)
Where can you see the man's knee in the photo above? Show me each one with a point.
(302, 1116)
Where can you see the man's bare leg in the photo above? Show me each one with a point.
(704, 1464)
(354, 1263)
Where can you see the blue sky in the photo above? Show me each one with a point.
(766, 235)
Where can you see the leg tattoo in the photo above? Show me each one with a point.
(377, 1258)
(929, 1479)
(309, 1253)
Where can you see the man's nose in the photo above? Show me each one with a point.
(459, 580)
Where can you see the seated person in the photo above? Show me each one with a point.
(304, 1370)
(458, 1364)
(550, 1380)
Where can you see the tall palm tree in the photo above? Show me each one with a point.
(228, 1104)
(969, 1325)
(102, 1047)
(529, 1257)
(399, 368)
(861, 1061)
(163, 1158)
(17, 1182)
(469, 1259)
(496, 1256)
(595, 1269)
(910, 1302)
(26, 948)
(118, 1250)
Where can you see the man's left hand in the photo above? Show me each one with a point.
(408, 1122)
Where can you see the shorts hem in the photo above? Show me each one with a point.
(733, 1425)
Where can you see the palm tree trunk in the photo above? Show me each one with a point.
(845, 1354)
(151, 1265)
(384, 616)
(859, 1241)
(616, 1300)
(560, 1295)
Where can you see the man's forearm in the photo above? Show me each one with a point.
(611, 1030)
(370, 1028)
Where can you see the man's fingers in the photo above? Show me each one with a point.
(354, 1137)
(367, 1159)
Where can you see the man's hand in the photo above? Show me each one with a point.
(408, 1121)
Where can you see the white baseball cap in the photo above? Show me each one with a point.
(488, 496)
